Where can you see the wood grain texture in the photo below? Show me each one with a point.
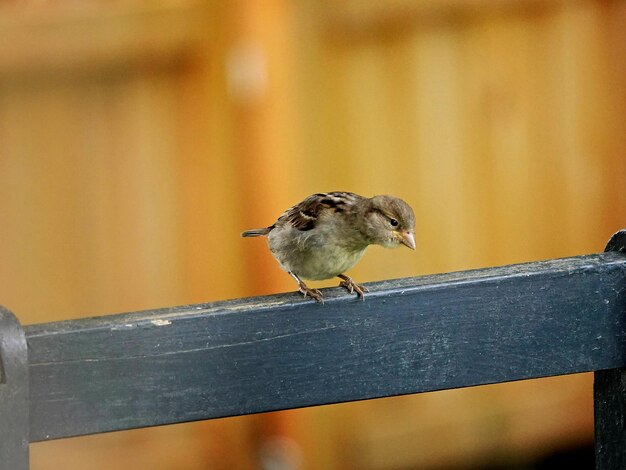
(278, 352)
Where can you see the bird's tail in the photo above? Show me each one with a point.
(256, 232)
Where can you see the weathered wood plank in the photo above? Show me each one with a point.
(609, 398)
(609, 392)
(13, 394)
(268, 353)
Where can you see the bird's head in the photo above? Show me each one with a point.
(389, 222)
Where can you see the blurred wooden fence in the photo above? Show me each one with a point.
(137, 140)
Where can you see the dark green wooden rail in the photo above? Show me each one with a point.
(271, 353)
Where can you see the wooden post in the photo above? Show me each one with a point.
(609, 397)
(13, 394)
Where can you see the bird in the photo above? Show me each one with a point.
(326, 234)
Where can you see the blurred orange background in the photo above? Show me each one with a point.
(138, 139)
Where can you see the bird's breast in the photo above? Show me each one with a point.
(327, 262)
(314, 255)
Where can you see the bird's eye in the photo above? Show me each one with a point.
(393, 222)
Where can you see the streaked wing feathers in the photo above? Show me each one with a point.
(304, 216)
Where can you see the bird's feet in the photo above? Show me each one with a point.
(306, 290)
(313, 293)
(352, 286)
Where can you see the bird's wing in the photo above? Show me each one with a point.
(305, 215)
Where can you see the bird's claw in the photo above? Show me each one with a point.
(315, 294)
(353, 287)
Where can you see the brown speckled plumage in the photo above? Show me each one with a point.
(327, 233)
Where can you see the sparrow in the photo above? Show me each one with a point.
(327, 233)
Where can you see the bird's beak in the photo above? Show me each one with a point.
(407, 239)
